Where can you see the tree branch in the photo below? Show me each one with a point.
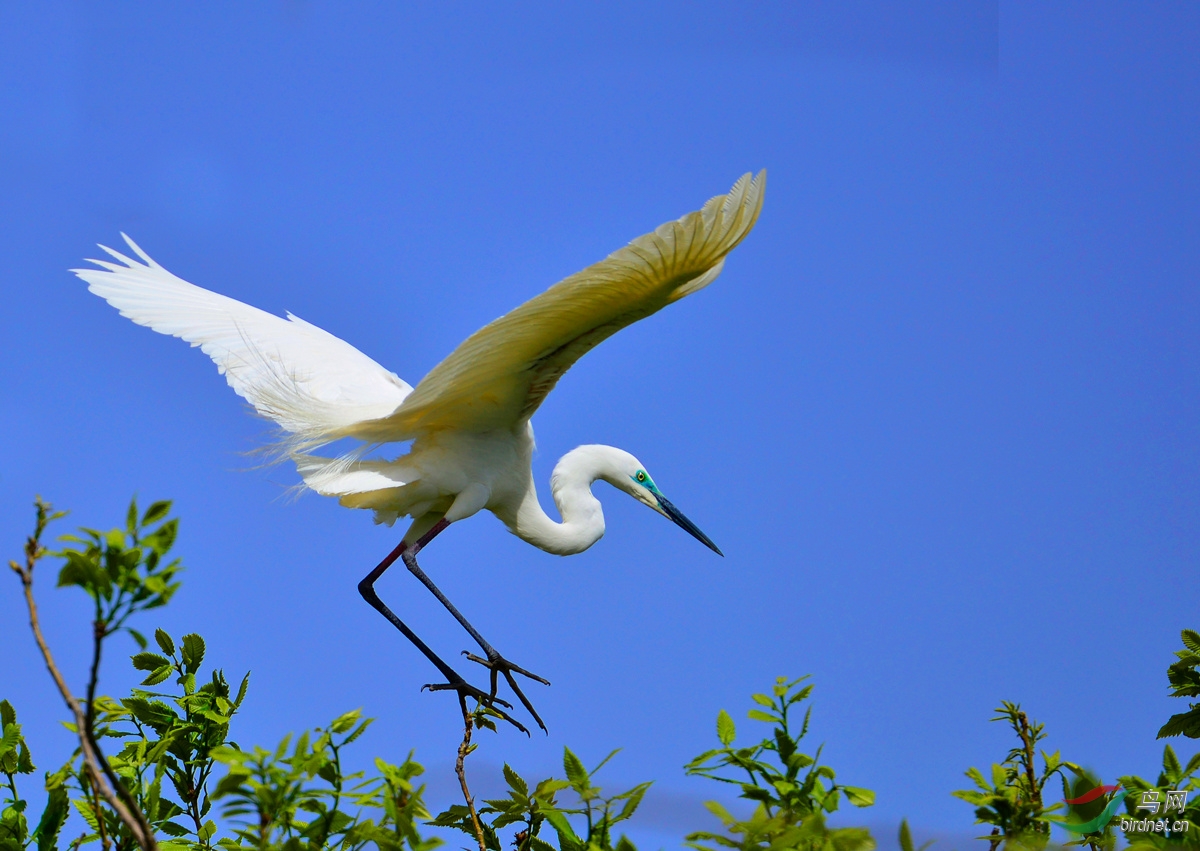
(459, 768)
(97, 766)
(1030, 773)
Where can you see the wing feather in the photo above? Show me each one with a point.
(499, 375)
(312, 383)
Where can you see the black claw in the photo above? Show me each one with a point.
(499, 665)
(468, 690)
(504, 665)
(465, 690)
(525, 701)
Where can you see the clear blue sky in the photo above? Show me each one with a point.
(940, 411)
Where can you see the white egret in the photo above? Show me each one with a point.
(468, 419)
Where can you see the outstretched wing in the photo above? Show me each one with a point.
(313, 384)
(501, 373)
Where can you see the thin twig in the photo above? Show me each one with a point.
(93, 800)
(99, 633)
(463, 750)
(996, 839)
(92, 756)
(1027, 741)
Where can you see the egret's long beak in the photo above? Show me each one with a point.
(687, 525)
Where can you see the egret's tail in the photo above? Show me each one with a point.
(389, 488)
(347, 475)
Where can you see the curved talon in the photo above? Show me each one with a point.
(500, 665)
(503, 664)
(465, 690)
(468, 690)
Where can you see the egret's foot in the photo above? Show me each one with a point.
(465, 690)
(497, 664)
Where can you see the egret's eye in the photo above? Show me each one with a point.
(641, 476)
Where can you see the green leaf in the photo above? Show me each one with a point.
(1192, 765)
(1171, 765)
(8, 715)
(10, 740)
(82, 571)
(576, 773)
(230, 784)
(193, 652)
(633, 802)
(563, 827)
(451, 817)
(515, 782)
(340, 724)
(799, 760)
(977, 775)
(301, 748)
(549, 786)
(155, 714)
(147, 661)
(52, 820)
(170, 828)
(1191, 640)
(131, 519)
(241, 695)
(785, 745)
(137, 637)
(362, 728)
(726, 731)
(24, 760)
(1186, 723)
(604, 761)
(84, 808)
(999, 776)
(858, 796)
(783, 787)
(159, 675)
(157, 511)
(163, 538)
(759, 715)
(719, 811)
(164, 640)
(763, 700)
(906, 843)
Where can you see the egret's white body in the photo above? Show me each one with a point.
(468, 419)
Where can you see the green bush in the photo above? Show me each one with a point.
(145, 771)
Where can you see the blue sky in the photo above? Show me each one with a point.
(940, 410)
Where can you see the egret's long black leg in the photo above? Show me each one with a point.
(496, 663)
(453, 680)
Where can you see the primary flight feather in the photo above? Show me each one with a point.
(468, 419)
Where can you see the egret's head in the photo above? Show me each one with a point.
(635, 481)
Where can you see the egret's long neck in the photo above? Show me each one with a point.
(571, 486)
